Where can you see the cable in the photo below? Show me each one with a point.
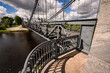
(70, 2)
(64, 11)
(78, 10)
(36, 2)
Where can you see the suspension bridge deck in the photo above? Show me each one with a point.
(71, 62)
(43, 15)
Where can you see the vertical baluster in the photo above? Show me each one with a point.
(52, 47)
(28, 70)
(67, 40)
(44, 55)
(56, 48)
(35, 57)
(50, 50)
(47, 51)
(38, 58)
(62, 45)
(32, 63)
(64, 48)
(35, 61)
(41, 57)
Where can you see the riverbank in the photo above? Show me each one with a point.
(6, 31)
(14, 29)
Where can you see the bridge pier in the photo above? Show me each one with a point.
(99, 57)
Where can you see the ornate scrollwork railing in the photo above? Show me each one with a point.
(46, 51)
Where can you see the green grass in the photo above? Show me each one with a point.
(15, 25)
(7, 31)
(2, 27)
(72, 27)
(49, 26)
(38, 67)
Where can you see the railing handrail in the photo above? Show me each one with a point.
(26, 61)
(48, 50)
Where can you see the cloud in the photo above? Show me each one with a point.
(80, 9)
(20, 4)
(2, 11)
(85, 9)
(29, 4)
(71, 15)
(25, 7)
(22, 13)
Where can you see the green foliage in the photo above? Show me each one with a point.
(51, 26)
(7, 20)
(2, 27)
(7, 31)
(66, 26)
(73, 27)
(25, 22)
(4, 19)
(10, 21)
(18, 20)
(7, 26)
(15, 25)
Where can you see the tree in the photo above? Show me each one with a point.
(7, 20)
(4, 19)
(18, 20)
(10, 21)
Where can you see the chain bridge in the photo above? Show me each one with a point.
(65, 24)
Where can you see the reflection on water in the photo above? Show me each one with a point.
(14, 48)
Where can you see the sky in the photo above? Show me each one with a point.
(9, 8)
(80, 9)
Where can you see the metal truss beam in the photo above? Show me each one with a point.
(76, 22)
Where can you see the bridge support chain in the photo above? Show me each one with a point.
(47, 32)
(59, 32)
(70, 27)
(56, 51)
(40, 29)
(59, 28)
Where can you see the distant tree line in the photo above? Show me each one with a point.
(7, 22)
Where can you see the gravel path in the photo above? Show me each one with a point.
(17, 28)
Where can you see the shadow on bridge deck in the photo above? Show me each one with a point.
(71, 62)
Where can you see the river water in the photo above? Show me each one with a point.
(14, 48)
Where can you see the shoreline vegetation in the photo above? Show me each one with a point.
(14, 29)
(9, 24)
(7, 31)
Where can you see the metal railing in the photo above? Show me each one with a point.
(47, 51)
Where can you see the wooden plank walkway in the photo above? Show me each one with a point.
(72, 62)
